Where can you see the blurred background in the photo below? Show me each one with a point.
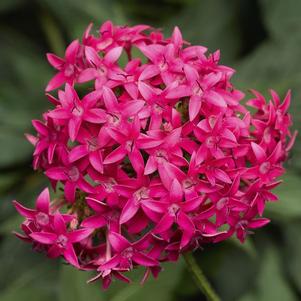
(260, 38)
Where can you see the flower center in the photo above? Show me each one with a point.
(109, 186)
(188, 183)
(42, 219)
(158, 109)
(264, 167)
(73, 174)
(167, 127)
(92, 144)
(267, 135)
(102, 70)
(62, 241)
(53, 136)
(221, 203)
(128, 253)
(78, 111)
(173, 209)
(242, 224)
(114, 119)
(161, 156)
(211, 142)
(129, 78)
(141, 194)
(69, 70)
(197, 90)
(129, 145)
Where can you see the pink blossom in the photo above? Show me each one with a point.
(158, 157)
(67, 67)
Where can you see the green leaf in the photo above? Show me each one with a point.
(289, 206)
(96, 11)
(160, 289)
(73, 286)
(282, 17)
(229, 267)
(292, 251)
(27, 273)
(14, 148)
(7, 5)
(270, 282)
(21, 95)
(213, 24)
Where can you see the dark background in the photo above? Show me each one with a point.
(261, 39)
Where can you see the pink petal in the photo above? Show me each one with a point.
(222, 176)
(185, 223)
(96, 116)
(191, 73)
(176, 192)
(29, 213)
(55, 61)
(71, 51)
(56, 81)
(73, 127)
(164, 224)
(137, 161)
(113, 55)
(59, 224)
(144, 260)
(95, 159)
(176, 37)
(155, 206)
(78, 152)
(118, 242)
(133, 107)
(92, 56)
(149, 72)
(87, 75)
(50, 153)
(128, 211)
(151, 166)
(85, 186)
(147, 92)
(258, 223)
(132, 89)
(43, 200)
(40, 127)
(70, 256)
(110, 99)
(79, 235)
(94, 222)
(195, 104)
(116, 155)
(215, 99)
(259, 152)
(110, 264)
(179, 92)
(59, 113)
(56, 173)
(44, 237)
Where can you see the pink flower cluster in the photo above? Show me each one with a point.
(154, 150)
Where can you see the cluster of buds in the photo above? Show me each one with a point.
(154, 151)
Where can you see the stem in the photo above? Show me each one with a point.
(199, 277)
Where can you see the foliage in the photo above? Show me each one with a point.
(260, 38)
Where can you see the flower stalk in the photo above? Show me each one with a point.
(200, 278)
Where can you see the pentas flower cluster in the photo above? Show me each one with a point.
(154, 152)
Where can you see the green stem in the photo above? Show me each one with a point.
(200, 278)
